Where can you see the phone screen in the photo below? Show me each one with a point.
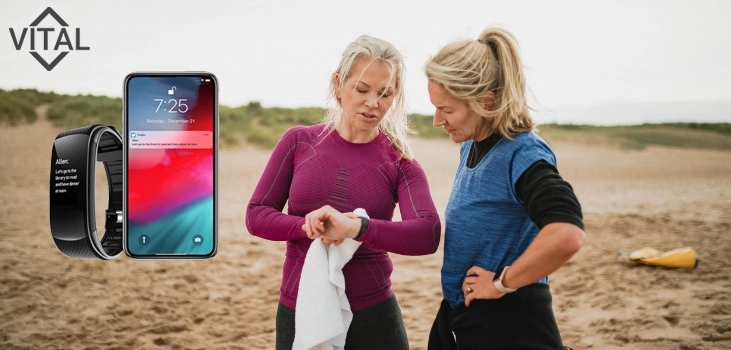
(171, 144)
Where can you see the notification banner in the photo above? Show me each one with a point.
(170, 139)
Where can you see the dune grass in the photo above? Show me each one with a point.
(19, 106)
(255, 124)
(258, 125)
(688, 135)
(75, 111)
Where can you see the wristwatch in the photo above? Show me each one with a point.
(72, 204)
(498, 280)
(364, 219)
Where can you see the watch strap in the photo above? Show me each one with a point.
(108, 151)
(75, 249)
(363, 227)
(498, 281)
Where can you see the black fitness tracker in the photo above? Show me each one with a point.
(364, 219)
(363, 226)
(72, 207)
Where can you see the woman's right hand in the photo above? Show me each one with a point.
(338, 241)
(331, 224)
(479, 285)
(333, 241)
(314, 226)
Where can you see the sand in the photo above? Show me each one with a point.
(660, 197)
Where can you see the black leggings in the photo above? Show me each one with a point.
(520, 320)
(377, 327)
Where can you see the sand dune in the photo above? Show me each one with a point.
(660, 197)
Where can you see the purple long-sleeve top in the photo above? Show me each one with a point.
(311, 167)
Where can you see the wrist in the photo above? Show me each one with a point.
(500, 281)
(360, 227)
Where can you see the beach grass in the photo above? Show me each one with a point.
(263, 126)
(687, 135)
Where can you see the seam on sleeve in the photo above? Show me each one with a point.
(408, 189)
(277, 176)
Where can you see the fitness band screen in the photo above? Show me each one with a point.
(170, 150)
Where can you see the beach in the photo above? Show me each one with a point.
(658, 197)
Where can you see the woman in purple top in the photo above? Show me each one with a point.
(358, 158)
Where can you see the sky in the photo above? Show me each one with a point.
(595, 62)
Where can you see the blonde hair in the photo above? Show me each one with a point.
(395, 123)
(469, 69)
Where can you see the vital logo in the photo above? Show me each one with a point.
(62, 40)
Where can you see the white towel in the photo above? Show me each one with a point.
(323, 312)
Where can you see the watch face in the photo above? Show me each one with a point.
(68, 193)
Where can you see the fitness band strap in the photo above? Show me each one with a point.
(109, 152)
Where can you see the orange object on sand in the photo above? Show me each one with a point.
(677, 258)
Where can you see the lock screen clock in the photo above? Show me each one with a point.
(172, 105)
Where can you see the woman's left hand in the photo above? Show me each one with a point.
(478, 285)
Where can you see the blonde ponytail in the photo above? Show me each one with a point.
(470, 69)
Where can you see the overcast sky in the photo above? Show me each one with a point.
(576, 53)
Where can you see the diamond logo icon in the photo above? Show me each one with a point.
(39, 39)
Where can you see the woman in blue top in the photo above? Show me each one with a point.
(511, 219)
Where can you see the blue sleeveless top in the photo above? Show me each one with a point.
(486, 223)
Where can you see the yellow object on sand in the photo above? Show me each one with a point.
(681, 257)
